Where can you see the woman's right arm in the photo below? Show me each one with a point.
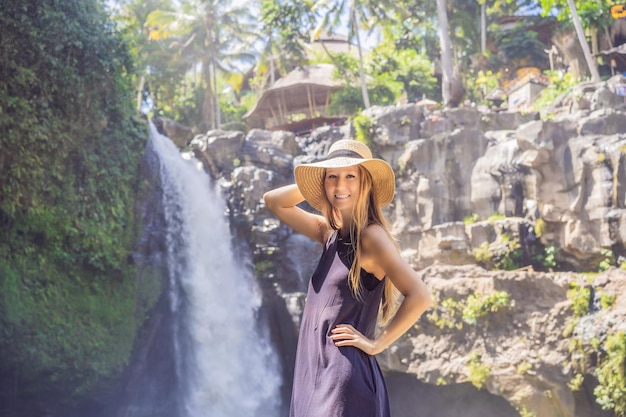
(283, 203)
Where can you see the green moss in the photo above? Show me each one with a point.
(61, 328)
(71, 148)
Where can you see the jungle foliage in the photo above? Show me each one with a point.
(70, 148)
(71, 145)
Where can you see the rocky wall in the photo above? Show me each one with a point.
(499, 190)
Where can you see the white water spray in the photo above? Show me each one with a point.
(224, 362)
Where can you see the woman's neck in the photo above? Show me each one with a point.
(346, 222)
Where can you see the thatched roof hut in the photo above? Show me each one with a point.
(298, 101)
(615, 57)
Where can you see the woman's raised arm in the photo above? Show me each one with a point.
(283, 202)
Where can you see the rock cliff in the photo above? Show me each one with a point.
(477, 193)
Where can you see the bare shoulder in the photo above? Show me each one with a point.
(376, 237)
(379, 251)
(376, 240)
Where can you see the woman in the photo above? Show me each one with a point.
(360, 271)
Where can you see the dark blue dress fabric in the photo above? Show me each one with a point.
(331, 381)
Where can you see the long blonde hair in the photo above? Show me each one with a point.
(365, 212)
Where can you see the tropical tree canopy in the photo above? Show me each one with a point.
(205, 62)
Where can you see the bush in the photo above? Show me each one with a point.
(478, 371)
(478, 306)
(611, 390)
(71, 147)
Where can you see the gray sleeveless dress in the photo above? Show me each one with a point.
(331, 381)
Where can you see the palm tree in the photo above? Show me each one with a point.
(212, 34)
(287, 27)
(364, 12)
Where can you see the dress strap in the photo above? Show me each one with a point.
(331, 238)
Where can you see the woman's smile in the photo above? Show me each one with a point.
(342, 186)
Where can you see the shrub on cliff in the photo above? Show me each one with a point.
(70, 148)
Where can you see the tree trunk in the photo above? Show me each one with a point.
(208, 68)
(142, 83)
(366, 97)
(216, 97)
(483, 27)
(208, 112)
(593, 69)
(446, 54)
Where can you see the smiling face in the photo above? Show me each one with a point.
(343, 187)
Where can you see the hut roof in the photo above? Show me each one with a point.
(617, 53)
(297, 92)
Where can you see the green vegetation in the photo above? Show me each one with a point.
(524, 367)
(483, 83)
(581, 298)
(479, 306)
(611, 390)
(363, 128)
(70, 300)
(540, 227)
(576, 383)
(608, 261)
(383, 90)
(559, 85)
(505, 254)
(198, 60)
(451, 314)
(71, 79)
(264, 267)
(471, 219)
(610, 356)
(446, 314)
(511, 255)
(496, 217)
(478, 371)
(549, 260)
(524, 412)
(607, 301)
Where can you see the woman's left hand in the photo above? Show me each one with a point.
(347, 335)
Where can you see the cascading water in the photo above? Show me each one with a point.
(224, 363)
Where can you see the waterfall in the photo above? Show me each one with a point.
(225, 365)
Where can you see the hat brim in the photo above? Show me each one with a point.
(310, 179)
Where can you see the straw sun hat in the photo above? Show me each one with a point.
(345, 153)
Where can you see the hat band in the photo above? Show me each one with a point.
(344, 153)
